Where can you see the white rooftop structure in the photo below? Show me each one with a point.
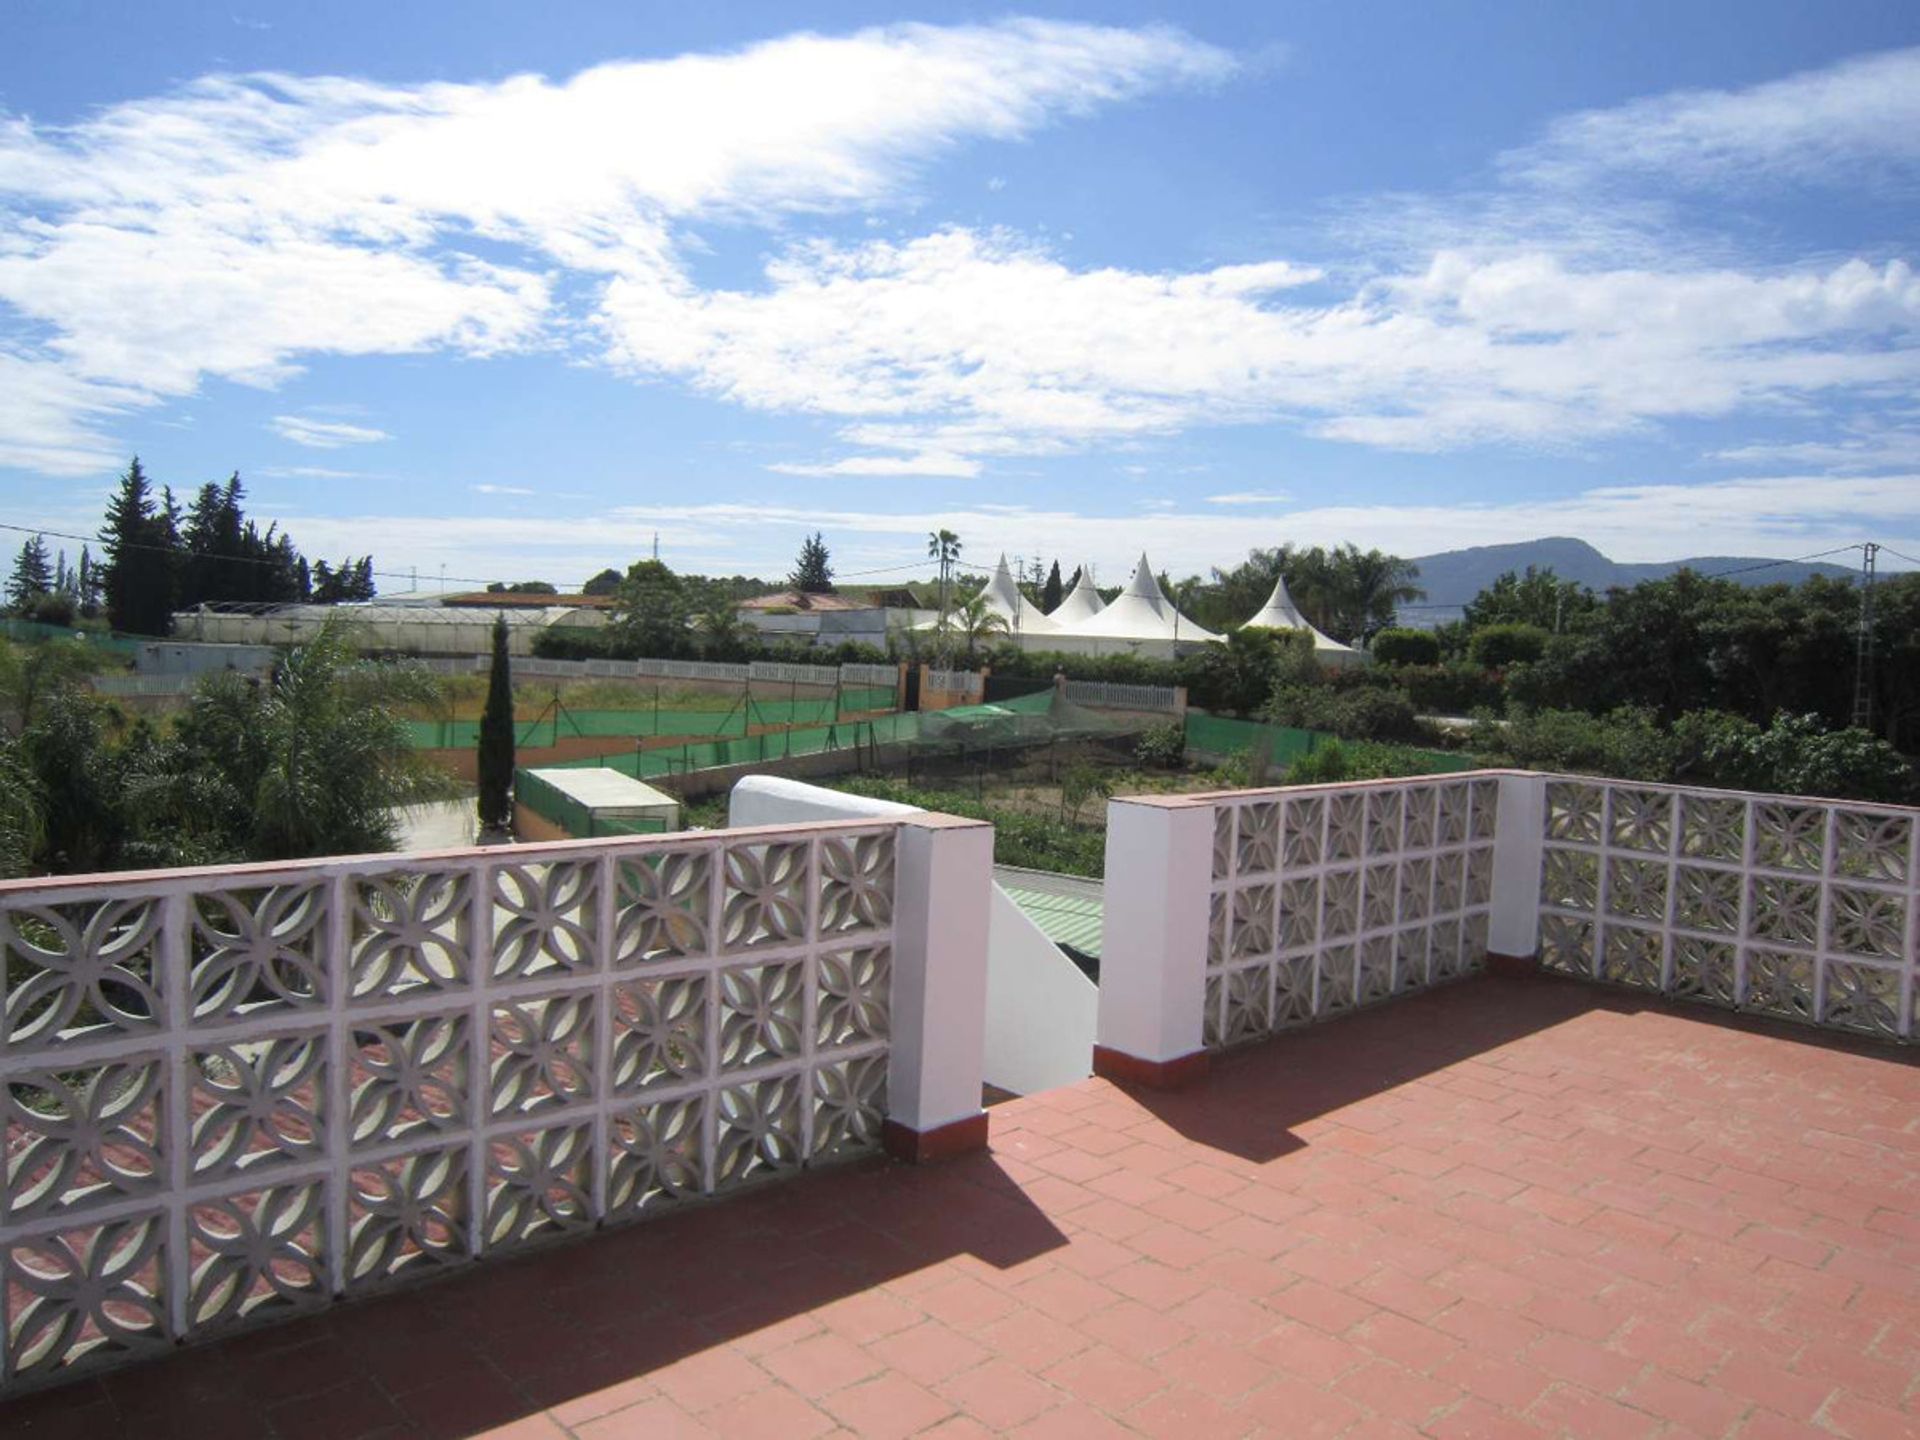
(1004, 599)
(1082, 602)
(1280, 613)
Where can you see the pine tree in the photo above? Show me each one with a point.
(140, 538)
(812, 575)
(32, 577)
(496, 738)
(1050, 596)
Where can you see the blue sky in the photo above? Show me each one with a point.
(509, 289)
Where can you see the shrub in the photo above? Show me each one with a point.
(1361, 713)
(1161, 747)
(1401, 646)
(1494, 647)
(1453, 689)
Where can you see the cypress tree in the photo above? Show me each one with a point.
(31, 577)
(1051, 595)
(496, 738)
(140, 540)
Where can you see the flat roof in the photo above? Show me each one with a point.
(599, 787)
(1068, 909)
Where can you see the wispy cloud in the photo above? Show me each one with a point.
(485, 489)
(323, 434)
(1250, 497)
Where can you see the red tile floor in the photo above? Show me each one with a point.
(1512, 1208)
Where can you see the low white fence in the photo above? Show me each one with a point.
(1232, 916)
(954, 682)
(1798, 908)
(233, 1094)
(770, 672)
(1105, 695)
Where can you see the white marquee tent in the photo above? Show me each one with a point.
(1082, 602)
(1280, 613)
(1141, 621)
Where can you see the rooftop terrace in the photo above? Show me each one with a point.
(1502, 1208)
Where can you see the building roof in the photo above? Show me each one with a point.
(1280, 613)
(603, 788)
(1068, 909)
(799, 600)
(1142, 611)
(1082, 602)
(528, 600)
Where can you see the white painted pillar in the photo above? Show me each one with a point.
(1153, 960)
(1513, 928)
(942, 900)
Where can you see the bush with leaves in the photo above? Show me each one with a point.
(1358, 713)
(1402, 646)
(1495, 647)
(1035, 842)
(1455, 688)
(1162, 746)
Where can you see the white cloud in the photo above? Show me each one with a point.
(312, 472)
(239, 224)
(1250, 497)
(46, 414)
(323, 434)
(501, 490)
(1828, 126)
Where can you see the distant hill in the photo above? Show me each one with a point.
(1454, 577)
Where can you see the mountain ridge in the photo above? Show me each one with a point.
(1454, 577)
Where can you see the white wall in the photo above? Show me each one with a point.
(1041, 1009)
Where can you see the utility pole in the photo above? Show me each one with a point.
(656, 545)
(1863, 648)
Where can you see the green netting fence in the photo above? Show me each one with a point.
(544, 800)
(735, 717)
(110, 642)
(755, 749)
(1217, 737)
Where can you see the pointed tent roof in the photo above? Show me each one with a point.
(1003, 597)
(1280, 613)
(1141, 612)
(1083, 602)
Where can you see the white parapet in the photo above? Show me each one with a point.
(1153, 962)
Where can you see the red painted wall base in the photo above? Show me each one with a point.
(1127, 1069)
(917, 1147)
(1514, 967)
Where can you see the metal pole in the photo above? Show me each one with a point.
(1863, 647)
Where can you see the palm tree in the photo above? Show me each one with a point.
(723, 634)
(943, 545)
(973, 621)
(1371, 585)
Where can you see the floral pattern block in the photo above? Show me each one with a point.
(1252, 921)
(1213, 1029)
(85, 1293)
(257, 1251)
(542, 1053)
(1871, 847)
(1223, 816)
(1637, 889)
(758, 1130)
(539, 1183)
(856, 883)
(258, 1104)
(849, 1106)
(1486, 808)
(1420, 817)
(1779, 983)
(1480, 875)
(659, 1032)
(1862, 997)
(1410, 959)
(252, 950)
(1385, 810)
(660, 905)
(1293, 991)
(80, 966)
(1299, 913)
(1416, 888)
(411, 932)
(1449, 882)
(1248, 1014)
(1705, 969)
(766, 894)
(1346, 818)
(1257, 838)
(1217, 928)
(1790, 837)
(1376, 968)
(409, 1077)
(855, 988)
(1867, 922)
(762, 1013)
(1641, 820)
(1633, 957)
(1305, 819)
(658, 1155)
(1573, 811)
(1381, 894)
(1452, 824)
(1707, 899)
(1784, 911)
(1566, 945)
(405, 1215)
(1339, 902)
(1453, 953)
(1337, 980)
(1569, 879)
(1713, 828)
(546, 918)
(81, 1137)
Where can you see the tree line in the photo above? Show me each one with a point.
(159, 556)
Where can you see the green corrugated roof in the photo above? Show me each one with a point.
(1063, 919)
